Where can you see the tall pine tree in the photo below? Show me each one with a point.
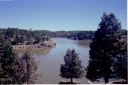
(103, 49)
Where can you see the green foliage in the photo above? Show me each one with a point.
(7, 63)
(72, 67)
(105, 49)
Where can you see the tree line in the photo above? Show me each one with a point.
(21, 35)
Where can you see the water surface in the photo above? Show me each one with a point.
(51, 59)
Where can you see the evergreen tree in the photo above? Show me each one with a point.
(72, 67)
(27, 69)
(7, 63)
(103, 49)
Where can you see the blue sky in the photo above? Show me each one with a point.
(57, 15)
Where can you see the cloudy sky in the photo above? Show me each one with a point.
(59, 14)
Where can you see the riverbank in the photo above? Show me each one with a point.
(45, 44)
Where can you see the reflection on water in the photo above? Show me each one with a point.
(34, 51)
(49, 66)
(83, 43)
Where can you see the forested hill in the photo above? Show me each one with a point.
(37, 34)
(75, 35)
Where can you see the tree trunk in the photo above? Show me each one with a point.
(71, 80)
(106, 79)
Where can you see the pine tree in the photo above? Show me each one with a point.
(7, 63)
(28, 66)
(72, 67)
(103, 49)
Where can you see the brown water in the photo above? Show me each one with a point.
(51, 59)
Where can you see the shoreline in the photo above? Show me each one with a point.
(34, 46)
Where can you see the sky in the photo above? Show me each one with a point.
(59, 15)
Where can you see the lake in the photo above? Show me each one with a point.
(51, 59)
